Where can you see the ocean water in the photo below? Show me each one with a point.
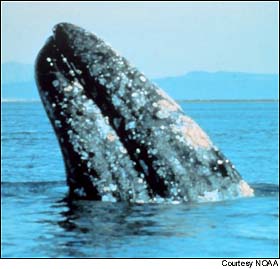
(36, 222)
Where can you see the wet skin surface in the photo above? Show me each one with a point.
(123, 138)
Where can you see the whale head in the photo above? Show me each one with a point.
(123, 138)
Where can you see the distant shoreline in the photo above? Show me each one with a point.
(20, 100)
(180, 101)
(229, 101)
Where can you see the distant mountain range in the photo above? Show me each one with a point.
(18, 83)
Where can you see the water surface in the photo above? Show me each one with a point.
(35, 222)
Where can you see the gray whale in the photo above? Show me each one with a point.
(123, 138)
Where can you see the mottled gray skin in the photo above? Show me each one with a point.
(85, 136)
(123, 138)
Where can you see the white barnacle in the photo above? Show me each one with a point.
(129, 84)
(116, 100)
(57, 123)
(72, 73)
(138, 150)
(89, 164)
(123, 150)
(162, 114)
(69, 120)
(55, 83)
(130, 125)
(111, 137)
(106, 189)
(68, 88)
(142, 78)
(76, 90)
(134, 94)
(88, 122)
(77, 84)
(48, 59)
(154, 151)
(108, 198)
(113, 187)
(84, 155)
(220, 162)
(89, 108)
(106, 119)
(102, 81)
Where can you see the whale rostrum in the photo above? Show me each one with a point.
(121, 136)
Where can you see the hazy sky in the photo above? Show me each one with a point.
(161, 38)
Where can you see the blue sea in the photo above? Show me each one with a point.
(36, 222)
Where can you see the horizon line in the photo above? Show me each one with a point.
(21, 100)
